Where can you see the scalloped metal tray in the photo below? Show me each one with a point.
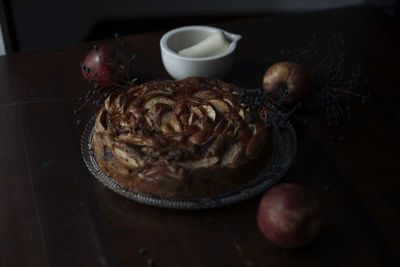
(284, 151)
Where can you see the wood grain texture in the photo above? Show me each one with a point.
(54, 213)
(21, 239)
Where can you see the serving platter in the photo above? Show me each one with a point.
(284, 151)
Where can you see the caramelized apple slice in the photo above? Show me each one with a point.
(197, 111)
(260, 135)
(220, 105)
(192, 118)
(200, 137)
(229, 102)
(148, 120)
(101, 120)
(221, 125)
(206, 94)
(184, 118)
(218, 146)
(201, 163)
(161, 99)
(209, 111)
(181, 109)
(167, 129)
(138, 141)
(126, 158)
(175, 123)
(157, 91)
(231, 154)
(169, 118)
(241, 113)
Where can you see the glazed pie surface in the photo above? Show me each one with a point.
(183, 139)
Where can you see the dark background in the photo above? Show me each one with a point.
(34, 25)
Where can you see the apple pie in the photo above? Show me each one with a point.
(184, 139)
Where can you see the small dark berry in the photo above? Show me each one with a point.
(341, 139)
(230, 90)
(79, 122)
(251, 119)
(286, 116)
(117, 36)
(95, 47)
(80, 99)
(142, 251)
(151, 262)
(76, 112)
(326, 188)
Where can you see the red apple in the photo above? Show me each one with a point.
(287, 76)
(289, 215)
(107, 65)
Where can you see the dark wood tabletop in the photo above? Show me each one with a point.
(53, 212)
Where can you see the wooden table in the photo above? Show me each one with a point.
(54, 213)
